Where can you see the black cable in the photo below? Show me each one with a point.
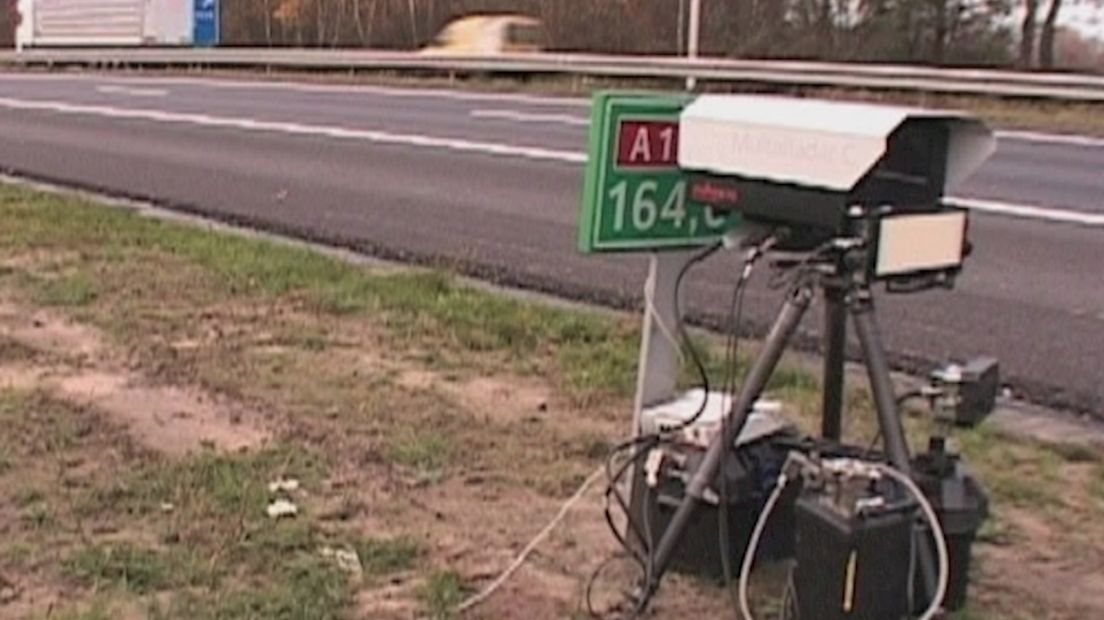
(612, 478)
(910, 395)
(789, 272)
(643, 445)
(640, 446)
(734, 321)
(687, 343)
(649, 569)
(588, 596)
(647, 539)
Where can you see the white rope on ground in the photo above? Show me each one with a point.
(519, 561)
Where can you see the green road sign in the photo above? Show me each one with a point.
(635, 197)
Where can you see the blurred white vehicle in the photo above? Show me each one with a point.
(479, 35)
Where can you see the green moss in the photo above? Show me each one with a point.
(441, 594)
(382, 557)
(426, 451)
(131, 568)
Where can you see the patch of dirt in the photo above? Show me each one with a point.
(20, 377)
(20, 598)
(1043, 567)
(79, 368)
(393, 601)
(1036, 424)
(167, 419)
(30, 260)
(1063, 592)
(477, 522)
(498, 398)
(48, 333)
(478, 529)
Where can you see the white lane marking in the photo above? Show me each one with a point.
(249, 124)
(526, 117)
(115, 89)
(390, 91)
(417, 140)
(1052, 138)
(274, 84)
(1030, 212)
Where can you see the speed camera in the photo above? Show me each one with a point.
(807, 165)
(805, 162)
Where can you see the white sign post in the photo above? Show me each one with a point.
(658, 371)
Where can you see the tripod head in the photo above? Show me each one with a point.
(906, 251)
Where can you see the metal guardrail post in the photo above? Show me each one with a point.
(693, 39)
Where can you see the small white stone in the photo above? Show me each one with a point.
(283, 485)
(282, 508)
(348, 561)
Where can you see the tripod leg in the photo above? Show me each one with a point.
(835, 350)
(881, 384)
(893, 432)
(784, 327)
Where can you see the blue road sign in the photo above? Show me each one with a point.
(205, 31)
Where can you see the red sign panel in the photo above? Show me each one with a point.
(715, 193)
(647, 144)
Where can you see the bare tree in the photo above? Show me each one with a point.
(1046, 39)
(825, 19)
(939, 30)
(358, 21)
(1027, 34)
(266, 6)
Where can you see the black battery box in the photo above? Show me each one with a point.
(852, 565)
(749, 475)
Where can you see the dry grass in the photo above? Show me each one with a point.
(432, 428)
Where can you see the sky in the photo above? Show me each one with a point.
(1084, 16)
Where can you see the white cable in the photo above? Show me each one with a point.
(925, 507)
(937, 534)
(753, 545)
(486, 593)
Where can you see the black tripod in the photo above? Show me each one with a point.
(843, 275)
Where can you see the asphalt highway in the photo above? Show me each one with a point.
(490, 185)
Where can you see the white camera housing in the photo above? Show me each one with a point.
(805, 162)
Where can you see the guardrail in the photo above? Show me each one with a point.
(1069, 87)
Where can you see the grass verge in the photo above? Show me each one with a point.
(428, 426)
